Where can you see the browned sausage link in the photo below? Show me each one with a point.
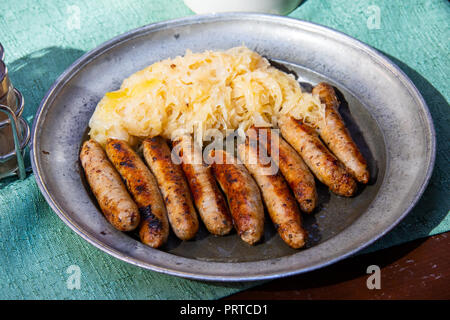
(208, 199)
(154, 227)
(294, 170)
(243, 196)
(317, 157)
(280, 203)
(336, 136)
(173, 186)
(112, 196)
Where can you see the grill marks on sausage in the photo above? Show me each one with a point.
(152, 221)
(117, 146)
(154, 228)
(140, 188)
(127, 163)
(174, 188)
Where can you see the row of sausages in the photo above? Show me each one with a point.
(164, 193)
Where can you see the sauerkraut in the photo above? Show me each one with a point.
(220, 90)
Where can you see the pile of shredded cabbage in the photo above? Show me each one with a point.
(221, 90)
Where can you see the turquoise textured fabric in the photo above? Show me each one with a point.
(42, 38)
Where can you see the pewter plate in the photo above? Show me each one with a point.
(386, 115)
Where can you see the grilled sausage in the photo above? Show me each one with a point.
(174, 188)
(112, 196)
(280, 202)
(291, 165)
(208, 199)
(336, 136)
(317, 157)
(154, 227)
(243, 195)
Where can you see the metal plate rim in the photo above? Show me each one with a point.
(90, 55)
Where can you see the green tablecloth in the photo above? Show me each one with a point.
(42, 38)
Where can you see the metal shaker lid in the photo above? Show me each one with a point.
(4, 79)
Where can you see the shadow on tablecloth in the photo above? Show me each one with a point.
(33, 75)
(430, 215)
